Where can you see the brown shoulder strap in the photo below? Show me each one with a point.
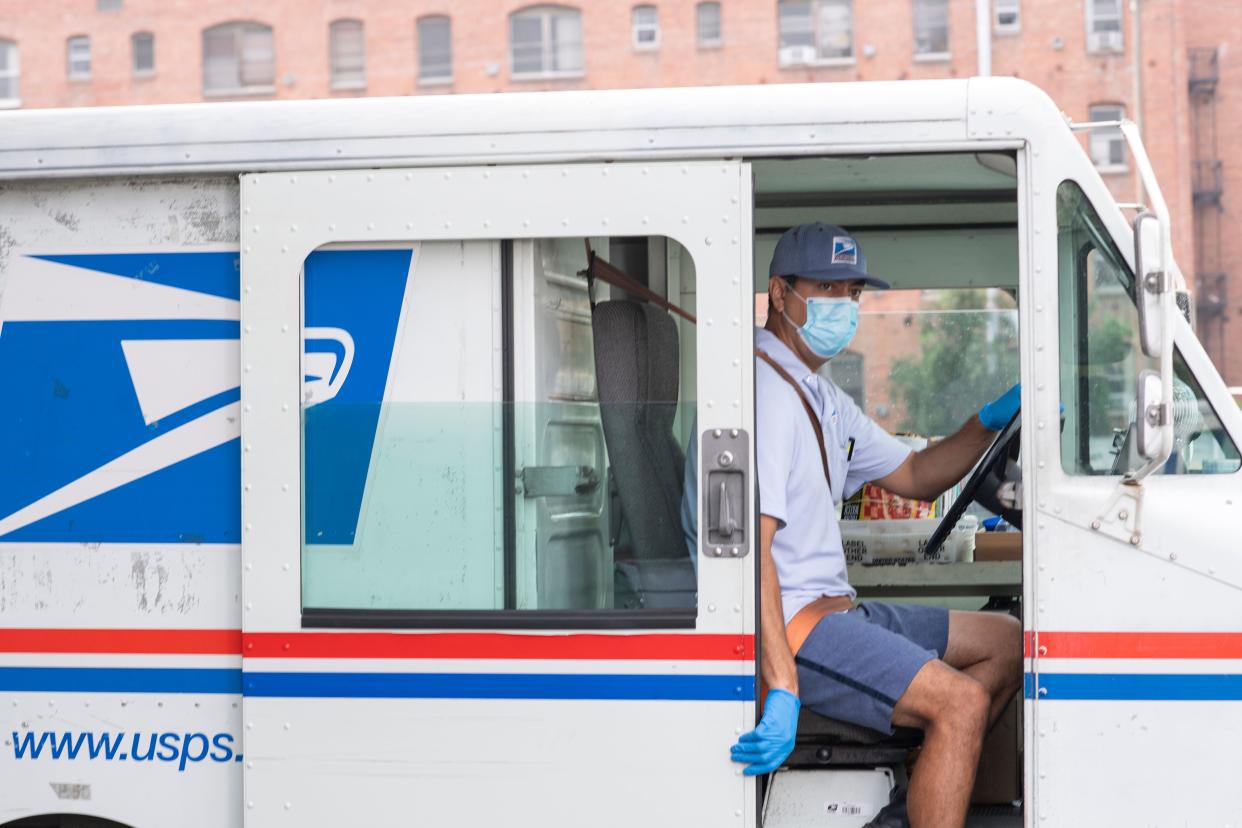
(810, 411)
(603, 270)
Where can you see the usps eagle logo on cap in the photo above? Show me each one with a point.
(844, 250)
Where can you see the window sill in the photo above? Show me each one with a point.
(647, 47)
(822, 63)
(10, 103)
(445, 81)
(1113, 169)
(145, 74)
(240, 92)
(710, 45)
(1007, 32)
(933, 57)
(1106, 52)
(596, 619)
(79, 78)
(348, 86)
(546, 76)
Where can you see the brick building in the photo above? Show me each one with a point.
(1173, 68)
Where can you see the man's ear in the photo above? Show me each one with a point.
(776, 293)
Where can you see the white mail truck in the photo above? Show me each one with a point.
(341, 485)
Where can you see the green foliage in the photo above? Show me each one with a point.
(958, 369)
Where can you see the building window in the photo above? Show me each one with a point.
(238, 59)
(108, 5)
(347, 50)
(707, 20)
(816, 32)
(1108, 145)
(545, 42)
(1008, 16)
(144, 53)
(79, 49)
(646, 25)
(10, 74)
(931, 29)
(1104, 26)
(435, 50)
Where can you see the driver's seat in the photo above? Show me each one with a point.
(825, 741)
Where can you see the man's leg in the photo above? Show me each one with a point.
(878, 666)
(951, 708)
(987, 646)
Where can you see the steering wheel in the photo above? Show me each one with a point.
(993, 484)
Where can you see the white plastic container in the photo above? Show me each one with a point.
(902, 541)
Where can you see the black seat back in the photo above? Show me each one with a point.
(636, 367)
(637, 371)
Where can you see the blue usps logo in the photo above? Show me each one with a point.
(844, 250)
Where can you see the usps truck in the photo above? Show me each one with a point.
(339, 486)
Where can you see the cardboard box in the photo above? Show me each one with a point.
(998, 546)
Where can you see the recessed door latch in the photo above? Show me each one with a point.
(725, 460)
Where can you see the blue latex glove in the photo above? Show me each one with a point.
(997, 414)
(765, 747)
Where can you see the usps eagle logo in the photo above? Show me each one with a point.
(120, 400)
(844, 250)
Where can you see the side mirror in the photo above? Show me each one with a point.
(1151, 416)
(1152, 283)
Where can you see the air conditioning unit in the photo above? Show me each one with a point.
(1106, 42)
(797, 55)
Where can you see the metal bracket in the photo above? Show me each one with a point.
(558, 481)
(1122, 516)
(1158, 281)
(725, 461)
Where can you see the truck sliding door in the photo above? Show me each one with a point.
(467, 598)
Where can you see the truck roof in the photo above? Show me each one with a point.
(764, 120)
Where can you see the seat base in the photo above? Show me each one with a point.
(826, 741)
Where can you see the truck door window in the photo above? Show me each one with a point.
(1101, 359)
(461, 454)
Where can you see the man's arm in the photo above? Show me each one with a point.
(927, 473)
(778, 668)
(763, 749)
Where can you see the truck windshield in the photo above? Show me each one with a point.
(1101, 360)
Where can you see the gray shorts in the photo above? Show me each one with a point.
(855, 665)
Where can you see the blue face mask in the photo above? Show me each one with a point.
(830, 324)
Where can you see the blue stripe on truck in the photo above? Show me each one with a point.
(1134, 686)
(119, 680)
(378, 685)
(500, 686)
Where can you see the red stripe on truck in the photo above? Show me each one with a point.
(153, 642)
(668, 646)
(620, 647)
(1163, 645)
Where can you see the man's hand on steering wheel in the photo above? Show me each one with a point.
(997, 466)
(997, 414)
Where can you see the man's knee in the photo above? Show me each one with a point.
(940, 696)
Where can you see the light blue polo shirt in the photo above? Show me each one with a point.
(807, 549)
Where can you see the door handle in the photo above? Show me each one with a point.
(726, 524)
(725, 460)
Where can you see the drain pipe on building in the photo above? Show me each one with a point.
(983, 36)
(1136, 35)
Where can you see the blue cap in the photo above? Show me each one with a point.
(823, 252)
